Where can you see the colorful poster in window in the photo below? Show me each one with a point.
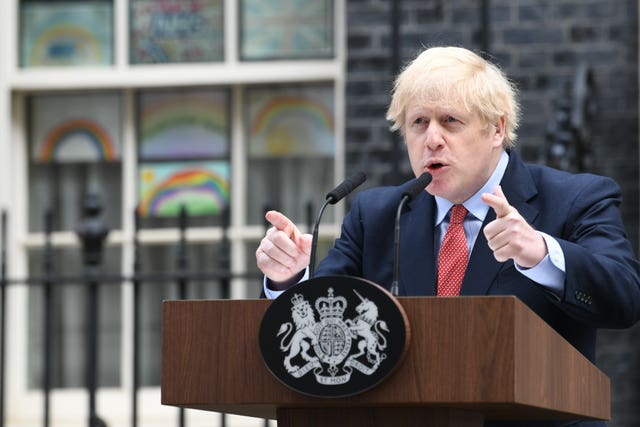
(76, 128)
(202, 187)
(169, 31)
(286, 29)
(183, 124)
(291, 122)
(66, 33)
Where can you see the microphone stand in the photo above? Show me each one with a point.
(416, 186)
(396, 247)
(314, 238)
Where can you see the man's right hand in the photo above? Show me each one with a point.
(284, 251)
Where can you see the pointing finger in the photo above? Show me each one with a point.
(281, 222)
(498, 202)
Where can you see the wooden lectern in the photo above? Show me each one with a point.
(496, 359)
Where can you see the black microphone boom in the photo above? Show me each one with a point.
(333, 197)
(416, 186)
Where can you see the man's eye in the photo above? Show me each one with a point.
(451, 119)
(419, 121)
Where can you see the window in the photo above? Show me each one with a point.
(215, 108)
(291, 143)
(75, 146)
(183, 158)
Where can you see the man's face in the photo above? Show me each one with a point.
(454, 146)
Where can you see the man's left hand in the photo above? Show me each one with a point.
(509, 236)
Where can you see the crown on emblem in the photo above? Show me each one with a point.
(297, 299)
(331, 306)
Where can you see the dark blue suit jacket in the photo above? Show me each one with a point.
(602, 286)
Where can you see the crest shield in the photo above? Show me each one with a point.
(333, 336)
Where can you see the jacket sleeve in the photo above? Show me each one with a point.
(602, 286)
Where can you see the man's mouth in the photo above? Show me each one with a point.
(435, 166)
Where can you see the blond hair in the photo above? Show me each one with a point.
(456, 75)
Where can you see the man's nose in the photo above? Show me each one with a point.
(433, 138)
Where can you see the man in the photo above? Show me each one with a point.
(554, 239)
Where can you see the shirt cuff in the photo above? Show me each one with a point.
(273, 294)
(550, 272)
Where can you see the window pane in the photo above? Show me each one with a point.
(68, 305)
(286, 29)
(202, 188)
(66, 33)
(290, 132)
(184, 156)
(176, 31)
(76, 128)
(162, 260)
(184, 124)
(75, 146)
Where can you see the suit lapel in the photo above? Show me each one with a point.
(417, 260)
(519, 189)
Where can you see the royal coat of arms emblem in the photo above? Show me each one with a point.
(333, 346)
(324, 339)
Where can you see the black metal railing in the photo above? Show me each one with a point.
(92, 233)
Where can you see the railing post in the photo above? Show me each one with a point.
(224, 255)
(3, 308)
(47, 317)
(224, 264)
(182, 263)
(136, 319)
(92, 232)
(309, 215)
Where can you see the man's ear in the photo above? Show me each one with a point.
(499, 129)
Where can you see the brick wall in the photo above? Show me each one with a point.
(539, 44)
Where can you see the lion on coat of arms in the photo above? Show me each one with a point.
(304, 320)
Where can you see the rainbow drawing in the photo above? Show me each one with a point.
(66, 44)
(185, 126)
(63, 34)
(287, 125)
(78, 139)
(164, 188)
(278, 107)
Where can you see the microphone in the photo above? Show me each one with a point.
(333, 197)
(414, 188)
(346, 187)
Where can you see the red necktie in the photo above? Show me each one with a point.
(453, 258)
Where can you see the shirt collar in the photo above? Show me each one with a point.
(474, 204)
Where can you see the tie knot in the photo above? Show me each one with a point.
(458, 212)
